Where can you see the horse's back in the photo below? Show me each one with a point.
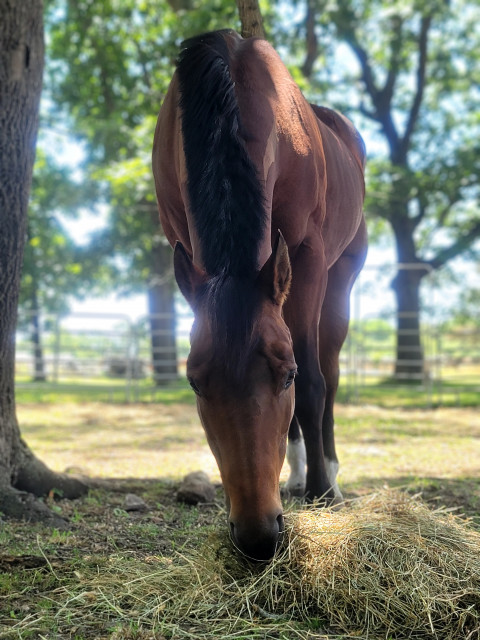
(311, 158)
(311, 178)
(344, 152)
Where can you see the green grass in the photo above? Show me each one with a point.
(385, 392)
(46, 574)
(108, 390)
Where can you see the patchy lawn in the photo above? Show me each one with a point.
(46, 576)
(375, 446)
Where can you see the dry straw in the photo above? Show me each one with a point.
(383, 567)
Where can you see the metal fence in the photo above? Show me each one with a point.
(450, 357)
(114, 358)
(109, 355)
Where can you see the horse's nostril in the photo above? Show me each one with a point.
(258, 542)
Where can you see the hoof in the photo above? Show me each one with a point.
(293, 491)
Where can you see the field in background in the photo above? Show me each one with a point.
(375, 445)
(109, 358)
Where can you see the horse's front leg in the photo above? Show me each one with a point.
(310, 394)
(302, 313)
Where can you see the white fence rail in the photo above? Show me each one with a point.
(116, 358)
(113, 357)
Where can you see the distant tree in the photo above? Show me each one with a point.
(416, 81)
(109, 67)
(52, 266)
(21, 67)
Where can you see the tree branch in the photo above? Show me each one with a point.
(422, 210)
(381, 113)
(311, 39)
(394, 63)
(462, 243)
(421, 80)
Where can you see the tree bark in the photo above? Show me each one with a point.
(21, 69)
(409, 361)
(250, 18)
(161, 308)
(311, 40)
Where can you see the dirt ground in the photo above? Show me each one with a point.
(145, 450)
(144, 447)
(166, 441)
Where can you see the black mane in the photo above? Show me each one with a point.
(225, 194)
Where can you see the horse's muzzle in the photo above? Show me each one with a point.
(258, 541)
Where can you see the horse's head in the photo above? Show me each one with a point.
(242, 368)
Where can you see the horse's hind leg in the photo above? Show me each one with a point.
(332, 333)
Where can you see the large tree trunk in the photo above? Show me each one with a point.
(409, 363)
(161, 308)
(21, 68)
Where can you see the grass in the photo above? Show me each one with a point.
(105, 578)
(384, 567)
(375, 445)
(452, 391)
(389, 393)
(80, 390)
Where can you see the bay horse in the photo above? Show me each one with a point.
(261, 196)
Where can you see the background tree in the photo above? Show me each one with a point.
(110, 65)
(250, 18)
(53, 269)
(21, 67)
(411, 70)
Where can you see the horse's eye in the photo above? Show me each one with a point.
(290, 378)
(194, 386)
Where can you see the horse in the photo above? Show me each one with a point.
(261, 196)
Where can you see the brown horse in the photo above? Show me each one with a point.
(261, 195)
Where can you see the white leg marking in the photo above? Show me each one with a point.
(332, 467)
(297, 459)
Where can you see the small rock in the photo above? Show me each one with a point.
(134, 503)
(75, 471)
(195, 488)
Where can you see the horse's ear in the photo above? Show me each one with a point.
(276, 274)
(189, 278)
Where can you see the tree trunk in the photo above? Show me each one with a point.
(21, 68)
(409, 362)
(250, 18)
(161, 308)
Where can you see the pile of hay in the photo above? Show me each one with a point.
(385, 566)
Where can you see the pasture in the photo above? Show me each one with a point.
(117, 574)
